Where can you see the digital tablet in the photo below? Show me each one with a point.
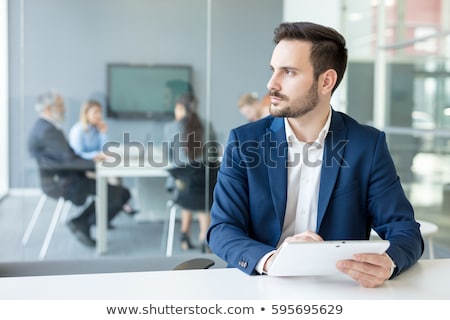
(319, 258)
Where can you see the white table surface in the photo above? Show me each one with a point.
(428, 279)
(131, 169)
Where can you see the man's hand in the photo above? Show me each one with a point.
(307, 236)
(369, 270)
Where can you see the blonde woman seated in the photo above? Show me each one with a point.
(88, 135)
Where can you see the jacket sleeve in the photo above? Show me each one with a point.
(229, 232)
(392, 213)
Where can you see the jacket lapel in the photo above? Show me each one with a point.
(333, 160)
(276, 159)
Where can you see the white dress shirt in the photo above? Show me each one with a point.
(304, 167)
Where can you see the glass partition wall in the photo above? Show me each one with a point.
(397, 80)
(67, 46)
(400, 53)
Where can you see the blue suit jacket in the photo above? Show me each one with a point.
(359, 190)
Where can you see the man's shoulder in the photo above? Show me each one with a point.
(40, 125)
(41, 122)
(45, 130)
(257, 127)
(354, 126)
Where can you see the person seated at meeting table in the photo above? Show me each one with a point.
(310, 173)
(64, 172)
(88, 135)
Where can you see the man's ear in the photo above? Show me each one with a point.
(327, 81)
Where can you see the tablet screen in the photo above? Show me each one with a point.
(319, 258)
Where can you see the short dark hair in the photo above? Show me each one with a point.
(328, 46)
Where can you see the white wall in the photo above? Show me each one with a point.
(328, 13)
(4, 172)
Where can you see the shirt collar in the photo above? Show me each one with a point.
(290, 136)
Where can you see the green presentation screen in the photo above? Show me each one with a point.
(145, 91)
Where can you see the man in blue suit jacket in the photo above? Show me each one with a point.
(309, 173)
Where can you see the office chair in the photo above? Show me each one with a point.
(60, 213)
(195, 263)
(189, 192)
(62, 208)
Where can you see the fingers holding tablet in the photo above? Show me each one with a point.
(368, 269)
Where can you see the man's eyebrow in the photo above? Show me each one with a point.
(289, 68)
(284, 68)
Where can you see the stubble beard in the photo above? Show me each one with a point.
(299, 107)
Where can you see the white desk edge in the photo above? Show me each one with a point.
(427, 280)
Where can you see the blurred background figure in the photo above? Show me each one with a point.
(264, 106)
(88, 135)
(186, 133)
(252, 108)
(248, 106)
(64, 173)
(175, 89)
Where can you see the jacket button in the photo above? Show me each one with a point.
(243, 264)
